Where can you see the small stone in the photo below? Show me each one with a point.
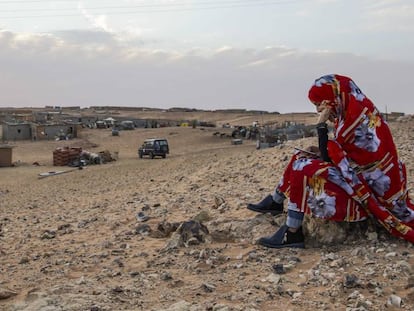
(394, 300)
(273, 278)
(202, 216)
(208, 288)
(48, 234)
(372, 236)
(143, 229)
(6, 293)
(278, 268)
(390, 255)
(351, 281)
(166, 276)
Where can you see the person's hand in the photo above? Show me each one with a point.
(324, 115)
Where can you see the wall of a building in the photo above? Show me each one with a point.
(13, 132)
(46, 132)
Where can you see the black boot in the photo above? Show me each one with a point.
(267, 205)
(284, 238)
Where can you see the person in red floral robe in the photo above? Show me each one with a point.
(356, 174)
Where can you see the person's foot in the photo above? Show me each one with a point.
(267, 205)
(284, 238)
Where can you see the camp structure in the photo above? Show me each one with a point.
(6, 155)
(13, 131)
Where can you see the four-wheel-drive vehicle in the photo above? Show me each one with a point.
(154, 147)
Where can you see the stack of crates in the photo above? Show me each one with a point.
(64, 156)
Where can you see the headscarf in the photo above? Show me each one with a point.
(336, 89)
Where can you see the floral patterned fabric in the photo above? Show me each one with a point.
(364, 152)
(318, 188)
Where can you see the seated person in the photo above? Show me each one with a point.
(356, 174)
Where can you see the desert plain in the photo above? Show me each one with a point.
(73, 241)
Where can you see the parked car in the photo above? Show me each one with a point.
(154, 147)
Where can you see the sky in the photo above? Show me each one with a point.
(203, 54)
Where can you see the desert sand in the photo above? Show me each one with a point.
(73, 241)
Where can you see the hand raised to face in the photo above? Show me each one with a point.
(326, 111)
(324, 115)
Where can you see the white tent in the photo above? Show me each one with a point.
(109, 121)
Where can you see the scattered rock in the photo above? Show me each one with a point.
(48, 234)
(6, 293)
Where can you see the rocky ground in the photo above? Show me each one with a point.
(73, 241)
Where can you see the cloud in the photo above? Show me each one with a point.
(97, 21)
(382, 15)
(39, 70)
(80, 37)
(102, 30)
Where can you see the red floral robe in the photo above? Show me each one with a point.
(317, 187)
(372, 179)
